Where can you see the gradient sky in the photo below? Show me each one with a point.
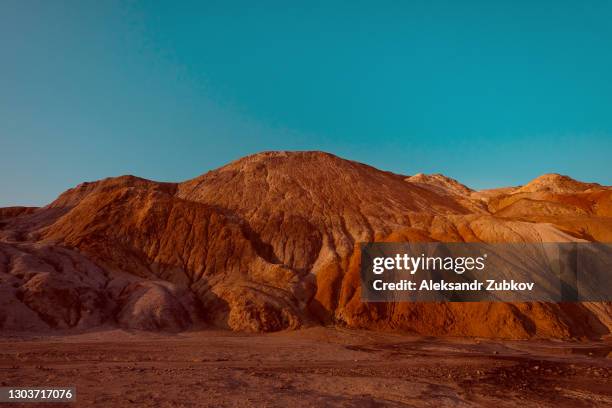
(492, 93)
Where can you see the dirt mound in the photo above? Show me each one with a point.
(10, 212)
(52, 287)
(440, 182)
(268, 242)
(157, 305)
(556, 183)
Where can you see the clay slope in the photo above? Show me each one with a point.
(269, 242)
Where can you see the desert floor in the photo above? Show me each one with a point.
(312, 367)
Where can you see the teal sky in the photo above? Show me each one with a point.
(492, 93)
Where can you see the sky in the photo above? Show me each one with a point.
(490, 93)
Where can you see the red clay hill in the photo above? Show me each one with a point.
(269, 242)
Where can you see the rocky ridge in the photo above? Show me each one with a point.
(269, 242)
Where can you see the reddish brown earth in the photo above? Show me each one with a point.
(269, 242)
(316, 367)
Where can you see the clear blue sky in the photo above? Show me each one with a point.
(492, 93)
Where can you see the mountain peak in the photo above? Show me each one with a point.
(74, 195)
(555, 183)
(440, 181)
(304, 182)
(301, 158)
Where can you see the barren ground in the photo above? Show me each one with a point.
(312, 367)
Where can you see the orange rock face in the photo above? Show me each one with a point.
(269, 242)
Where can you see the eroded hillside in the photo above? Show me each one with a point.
(269, 242)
